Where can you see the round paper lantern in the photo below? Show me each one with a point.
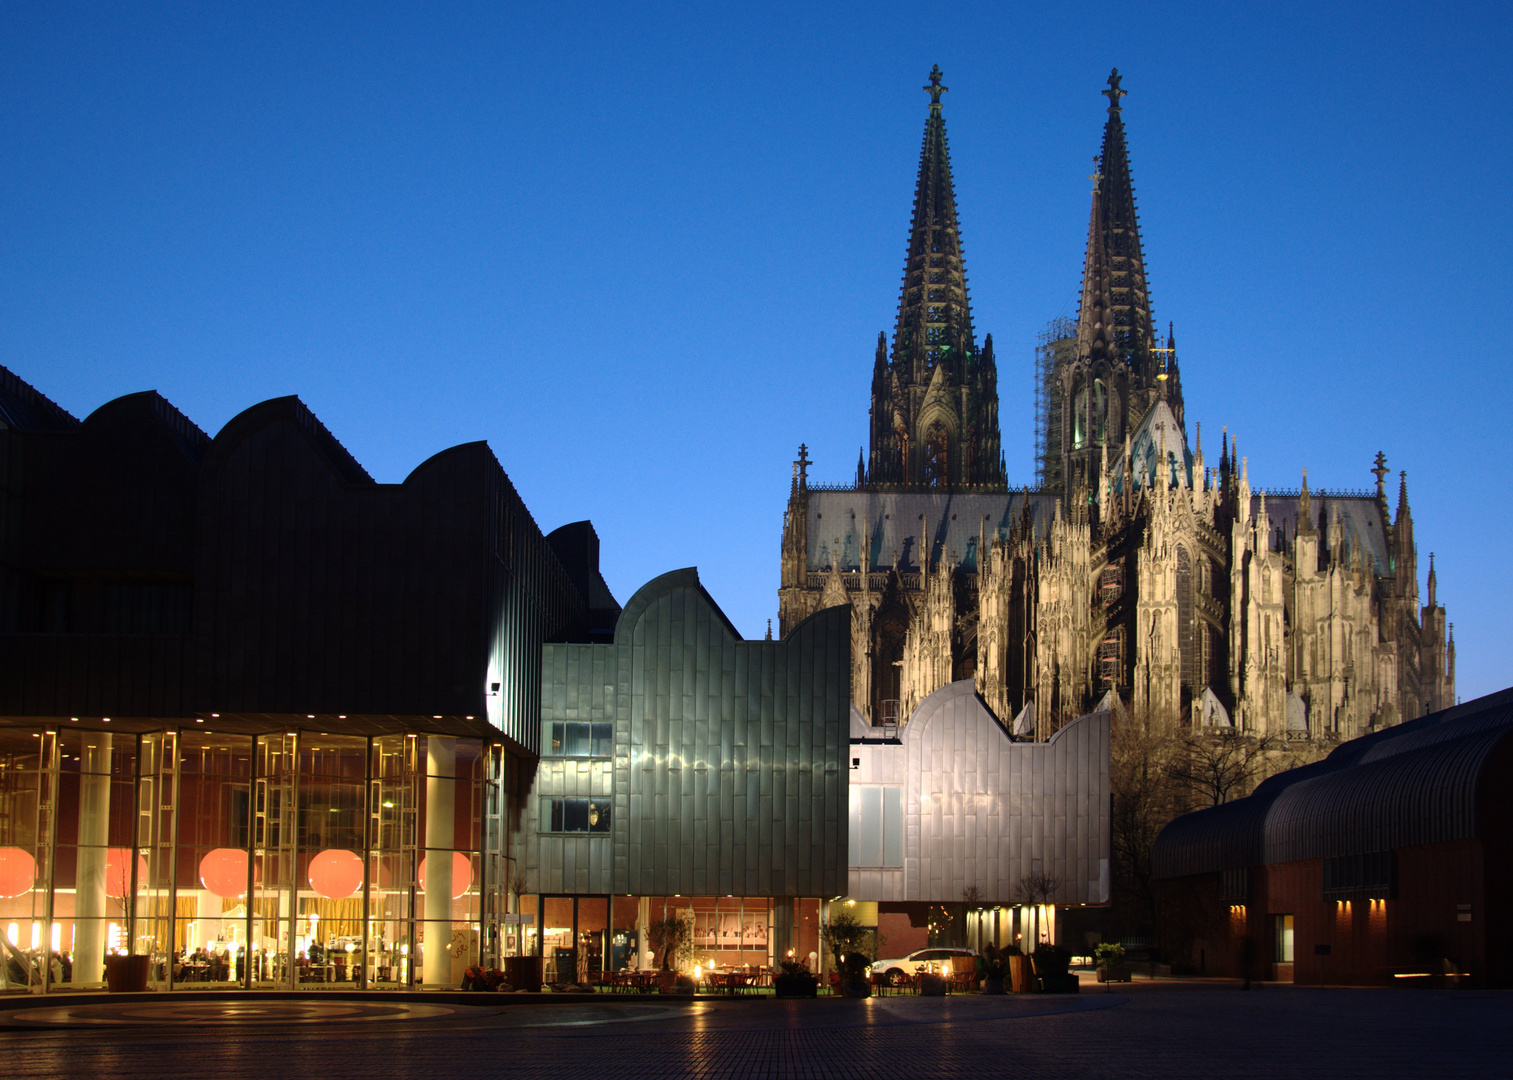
(462, 874)
(18, 872)
(224, 871)
(336, 873)
(118, 871)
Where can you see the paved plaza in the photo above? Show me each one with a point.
(1146, 1030)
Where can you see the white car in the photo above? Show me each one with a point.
(936, 961)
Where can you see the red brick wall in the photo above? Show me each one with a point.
(1369, 942)
(896, 922)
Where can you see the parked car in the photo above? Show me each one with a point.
(936, 961)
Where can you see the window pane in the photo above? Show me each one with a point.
(893, 826)
(577, 740)
(872, 826)
(575, 815)
(557, 731)
(1284, 939)
(551, 814)
(855, 846)
(598, 816)
(604, 740)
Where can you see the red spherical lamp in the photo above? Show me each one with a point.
(18, 872)
(118, 872)
(462, 874)
(224, 871)
(336, 873)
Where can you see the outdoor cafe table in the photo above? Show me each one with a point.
(729, 981)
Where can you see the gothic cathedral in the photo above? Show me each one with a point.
(1133, 571)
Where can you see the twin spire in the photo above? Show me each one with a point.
(934, 318)
(935, 397)
(1115, 324)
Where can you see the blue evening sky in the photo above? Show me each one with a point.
(645, 251)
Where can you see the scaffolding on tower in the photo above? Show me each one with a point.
(1054, 348)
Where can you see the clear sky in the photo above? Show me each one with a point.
(645, 251)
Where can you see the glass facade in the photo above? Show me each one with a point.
(281, 860)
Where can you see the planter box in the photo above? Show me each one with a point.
(933, 985)
(1115, 973)
(524, 972)
(796, 986)
(856, 988)
(127, 974)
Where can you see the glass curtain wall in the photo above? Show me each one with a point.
(283, 860)
(24, 851)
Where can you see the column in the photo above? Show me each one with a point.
(782, 933)
(94, 835)
(643, 917)
(441, 796)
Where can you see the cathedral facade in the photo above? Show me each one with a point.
(1133, 567)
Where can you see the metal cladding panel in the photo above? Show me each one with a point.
(1424, 797)
(981, 809)
(1415, 783)
(728, 772)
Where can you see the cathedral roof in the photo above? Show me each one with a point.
(1360, 521)
(1158, 430)
(843, 521)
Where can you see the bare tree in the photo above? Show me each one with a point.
(1037, 888)
(1213, 768)
(517, 884)
(1144, 797)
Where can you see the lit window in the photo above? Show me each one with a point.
(576, 738)
(1284, 938)
(559, 815)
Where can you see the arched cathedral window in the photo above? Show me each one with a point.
(1100, 412)
(1187, 639)
(937, 449)
(1079, 419)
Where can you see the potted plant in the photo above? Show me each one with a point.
(853, 948)
(1051, 964)
(853, 971)
(994, 967)
(672, 937)
(794, 979)
(1110, 959)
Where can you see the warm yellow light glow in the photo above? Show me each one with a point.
(698, 972)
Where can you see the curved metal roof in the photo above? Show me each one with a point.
(1415, 783)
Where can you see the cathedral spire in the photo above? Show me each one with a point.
(935, 401)
(934, 319)
(1115, 317)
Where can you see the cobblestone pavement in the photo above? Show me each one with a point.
(1150, 1030)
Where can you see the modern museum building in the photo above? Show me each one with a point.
(266, 722)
